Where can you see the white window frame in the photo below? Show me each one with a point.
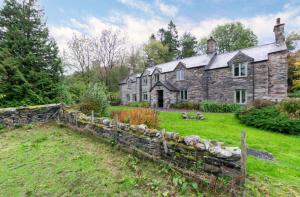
(134, 97)
(145, 81)
(180, 75)
(128, 97)
(184, 95)
(240, 70)
(240, 100)
(156, 77)
(145, 94)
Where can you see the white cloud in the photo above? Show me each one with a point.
(137, 4)
(62, 35)
(167, 9)
(138, 29)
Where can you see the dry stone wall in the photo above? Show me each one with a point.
(191, 155)
(10, 117)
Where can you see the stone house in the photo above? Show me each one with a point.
(240, 76)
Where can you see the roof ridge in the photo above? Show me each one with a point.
(245, 48)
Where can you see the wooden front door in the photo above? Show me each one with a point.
(160, 98)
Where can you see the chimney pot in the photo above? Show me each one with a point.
(279, 32)
(278, 21)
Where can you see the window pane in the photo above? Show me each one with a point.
(185, 96)
(243, 96)
(177, 75)
(236, 70)
(243, 69)
(182, 75)
(237, 96)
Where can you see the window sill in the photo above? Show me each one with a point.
(237, 77)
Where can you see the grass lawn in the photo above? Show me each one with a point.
(280, 177)
(47, 160)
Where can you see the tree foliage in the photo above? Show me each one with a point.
(294, 71)
(31, 70)
(231, 37)
(156, 52)
(188, 45)
(291, 40)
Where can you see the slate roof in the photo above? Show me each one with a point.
(166, 84)
(132, 77)
(215, 61)
(258, 53)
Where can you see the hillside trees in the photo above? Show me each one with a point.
(294, 71)
(231, 37)
(31, 71)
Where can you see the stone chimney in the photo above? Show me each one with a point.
(279, 32)
(211, 46)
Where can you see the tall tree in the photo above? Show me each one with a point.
(156, 52)
(294, 71)
(188, 44)
(291, 40)
(171, 40)
(80, 56)
(27, 54)
(232, 36)
(109, 52)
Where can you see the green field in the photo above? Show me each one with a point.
(47, 160)
(279, 177)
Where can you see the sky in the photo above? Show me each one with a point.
(137, 19)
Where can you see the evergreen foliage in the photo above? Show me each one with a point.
(188, 45)
(31, 70)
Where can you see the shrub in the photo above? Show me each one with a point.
(291, 107)
(185, 105)
(148, 117)
(269, 118)
(295, 94)
(114, 99)
(213, 106)
(139, 104)
(260, 103)
(95, 98)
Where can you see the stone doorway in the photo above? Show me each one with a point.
(160, 98)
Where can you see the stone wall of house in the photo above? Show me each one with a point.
(194, 82)
(169, 97)
(200, 158)
(278, 75)
(221, 84)
(10, 117)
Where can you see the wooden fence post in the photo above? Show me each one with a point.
(92, 117)
(243, 157)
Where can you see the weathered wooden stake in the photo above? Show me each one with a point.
(92, 117)
(243, 157)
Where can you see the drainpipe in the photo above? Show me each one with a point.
(253, 81)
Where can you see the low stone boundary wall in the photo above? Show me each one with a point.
(10, 117)
(192, 155)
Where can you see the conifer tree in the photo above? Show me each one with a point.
(31, 70)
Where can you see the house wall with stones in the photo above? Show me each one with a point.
(194, 82)
(278, 75)
(168, 96)
(211, 76)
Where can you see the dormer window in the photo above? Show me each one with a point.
(240, 69)
(129, 84)
(180, 75)
(145, 81)
(156, 77)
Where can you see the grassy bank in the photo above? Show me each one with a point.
(279, 177)
(48, 160)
